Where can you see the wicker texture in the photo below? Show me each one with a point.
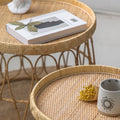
(4, 2)
(55, 96)
(9, 44)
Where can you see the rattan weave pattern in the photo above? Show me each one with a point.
(56, 94)
(9, 44)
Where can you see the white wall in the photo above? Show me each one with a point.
(111, 6)
(107, 34)
(107, 40)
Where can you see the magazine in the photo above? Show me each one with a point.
(47, 27)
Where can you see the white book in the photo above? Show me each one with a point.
(46, 27)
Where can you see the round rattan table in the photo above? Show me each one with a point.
(22, 62)
(55, 96)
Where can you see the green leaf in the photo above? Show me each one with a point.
(35, 23)
(20, 27)
(16, 23)
(31, 28)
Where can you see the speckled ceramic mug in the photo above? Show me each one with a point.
(109, 97)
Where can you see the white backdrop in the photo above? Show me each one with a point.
(107, 34)
(104, 5)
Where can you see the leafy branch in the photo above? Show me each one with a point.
(30, 26)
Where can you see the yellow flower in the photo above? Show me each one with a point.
(88, 93)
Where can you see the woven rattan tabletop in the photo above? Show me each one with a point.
(9, 44)
(55, 97)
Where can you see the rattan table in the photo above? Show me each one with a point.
(55, 97)
(22, 62)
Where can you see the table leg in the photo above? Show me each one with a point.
(36, 70)
(86, 53)
(2, 81)
(6, 79)
(93, 52)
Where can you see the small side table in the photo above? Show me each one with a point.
(55, 97)
(23, 62)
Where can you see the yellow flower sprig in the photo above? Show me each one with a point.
(88, 94)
